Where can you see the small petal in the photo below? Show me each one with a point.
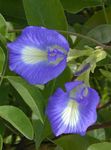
(71, 85)
(38, 54)
(72, 113)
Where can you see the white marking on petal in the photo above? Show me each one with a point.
(70, 115)
(31, 55)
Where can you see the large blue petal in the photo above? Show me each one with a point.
(28, 54)
(43, 37)
(39, 73)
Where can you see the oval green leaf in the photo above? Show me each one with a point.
(75, 142)
(30, 94)
(17, 119)
(47, 13)
(100, 146)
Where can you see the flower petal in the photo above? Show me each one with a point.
(72, 116)
(28, 55)
(88, 110)
(56, 105)
(39, 73)
(71, 85)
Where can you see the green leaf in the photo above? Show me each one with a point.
(47, 13)
(98, 18)
(104, 115)
(75, 6)
(4, 93)
(101, 33)
(98, 134)
(106, 74)
(1, 142)
(58, 82)
(18, 119)
(41, 130)
(3, 26)
(13, 11)
(10, 36)
(30, 94)
(76, 142)
(2, 59)
(100, 146)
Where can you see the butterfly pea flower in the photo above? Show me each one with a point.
(72, 111)
(38, 54)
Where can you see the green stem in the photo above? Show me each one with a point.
(105, 47)
(2, 44)
(105, 13)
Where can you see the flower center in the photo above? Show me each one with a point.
(79, 92)
(56, 54)
(32, 55)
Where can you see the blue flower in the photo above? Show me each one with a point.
(38, 54)
(72, 111)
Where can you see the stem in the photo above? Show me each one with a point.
(15, 30)
(99, 126)
(105, 14)
(6, 60)
(104, 106)
(87, 38)
(83, 36)
(106, 47)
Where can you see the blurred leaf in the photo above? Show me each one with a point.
(13, 11)
(41, 131)
(18, 119)
(1, 142)
(100, 146)
(4, 93)
(30, 94)
(75, 6)
(58, 148)
(2, 60)
(98, 18)
(58, 82)
(104, 115)
(10, 36)
(106, 74)
(47, 13)
(76, 142)
(3, 27)
(101, 33)
(98, 134)
(38, 129)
